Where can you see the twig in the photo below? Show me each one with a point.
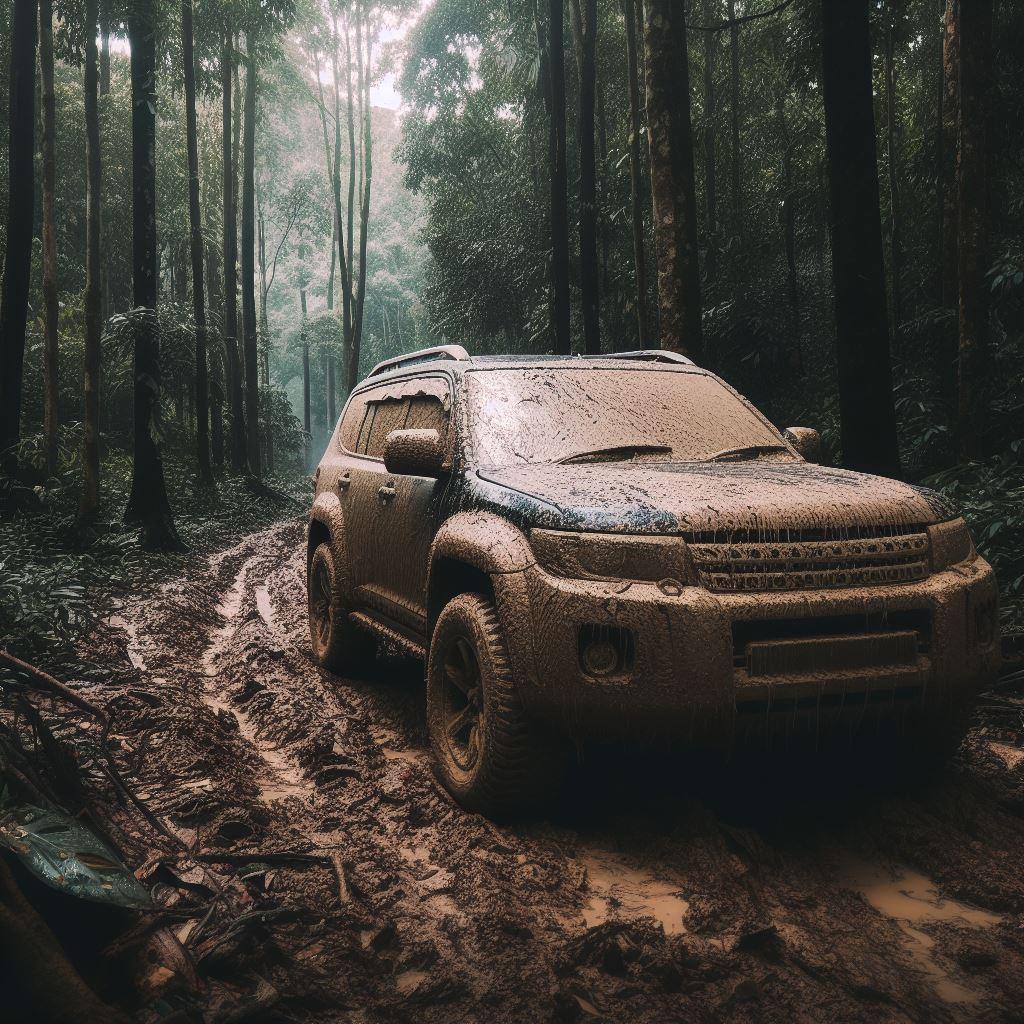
(720, 26)
(339, 872)
(47, 682)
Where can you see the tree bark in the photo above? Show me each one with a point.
(711, 142)
(867, 417)
(673, 189)
(895, 258)
(148, 504)
(559, 182)
(234, 363)
(252, 390)
(949, 271)
(585, 33)
(105, 58)
(18, 236)
(51, 309)
(736, 162)
(973, 247)
(196, 240)
(93, 275)
(636, 175)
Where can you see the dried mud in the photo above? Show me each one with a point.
(659, 889)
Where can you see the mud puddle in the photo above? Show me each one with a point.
(913, 901)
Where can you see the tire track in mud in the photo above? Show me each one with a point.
(654, 893)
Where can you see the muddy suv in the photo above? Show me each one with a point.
(625, 547)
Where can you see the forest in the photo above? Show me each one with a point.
(216, 216)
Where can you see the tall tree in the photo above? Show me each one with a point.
(18, 236)
(636, 174)
(973, 234)
(867, 416)
(51, 307)
(250, 346)
(949, 256)
(196, 245)
(710, 138)
(237, 444)
(147, 504)
(584, 22)
(559, 180)
(673, 189)
(736, 156)
(93, 275)
(894, 12)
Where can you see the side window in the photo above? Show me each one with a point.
(388, 415)
(425, 413)
(352, 424)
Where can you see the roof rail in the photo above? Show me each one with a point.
(650, 355)
(422, 355)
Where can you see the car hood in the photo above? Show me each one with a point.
(679, 497)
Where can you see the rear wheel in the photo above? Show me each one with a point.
(337, 643)
(489, 754)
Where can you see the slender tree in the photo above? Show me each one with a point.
(202, 392)
(893, 14)
(147, 504)
(584, 24)
(93, 275)
(18, 236)
(51, 308)
(636, 174)
(252, 392)
(867, 416)
(973, 234)
(736, 156)
(673, 189)
(949, 256)
(710, 140)
(237, 444)
(559, 180)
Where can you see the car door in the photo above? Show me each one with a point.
(391, 518)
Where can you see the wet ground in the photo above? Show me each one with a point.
(323, 875)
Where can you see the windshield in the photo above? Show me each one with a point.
(599, 415)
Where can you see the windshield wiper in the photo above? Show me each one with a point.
(746, 449)
(615, 452)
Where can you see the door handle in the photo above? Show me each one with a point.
(386, 492)
(344, 481)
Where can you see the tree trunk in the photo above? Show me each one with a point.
(559, 183)
(93, 275)
(636, 175)
(366, 179)
(895, 261)
(867, 417)
(18, 236)
(734, 112)
(307, 422)
(51, 309)
(344, 258)
(972, 192)
(105, 57)
(252, 384)
(711, 141)
(948, 205)
(673, 191)
(234, 363)
(789, 236)
(585, 33)
(196, 239)
(351, 124)
(148, 504)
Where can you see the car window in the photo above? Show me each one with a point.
(427, 413)
(421, 403)
(388, 415)
(352, 423)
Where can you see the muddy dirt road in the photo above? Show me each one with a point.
(656, 892)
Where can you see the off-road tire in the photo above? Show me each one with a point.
(337, 643)
(518, 766)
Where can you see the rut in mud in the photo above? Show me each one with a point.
(653, 893)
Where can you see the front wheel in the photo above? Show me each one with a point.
(337, 643)
(489, 755)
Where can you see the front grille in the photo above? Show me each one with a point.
(789, 560)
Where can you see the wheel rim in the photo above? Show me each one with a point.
(462, 702)
(320, 603)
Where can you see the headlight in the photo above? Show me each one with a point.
(950, 544)
(611, 556)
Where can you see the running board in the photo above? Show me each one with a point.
(404, 643)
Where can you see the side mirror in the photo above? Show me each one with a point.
(806, 441)
(414, 453)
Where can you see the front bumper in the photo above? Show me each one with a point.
(690, 670)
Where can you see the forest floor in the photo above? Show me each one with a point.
(324, 875)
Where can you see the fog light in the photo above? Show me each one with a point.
(605, 650)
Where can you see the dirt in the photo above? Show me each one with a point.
(324, 875)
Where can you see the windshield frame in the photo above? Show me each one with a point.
(469, 439)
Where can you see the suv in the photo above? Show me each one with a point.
(623, 546)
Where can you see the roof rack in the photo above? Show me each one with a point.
(650, 355)
(423, 355)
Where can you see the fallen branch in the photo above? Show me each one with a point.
(47, 682)
(339, 872)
